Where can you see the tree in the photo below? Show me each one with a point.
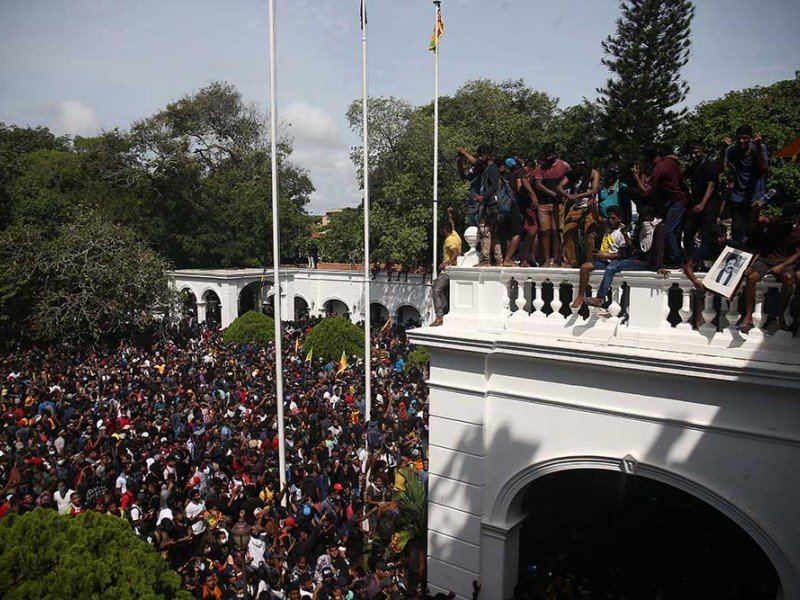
(332, 336)
(90, 281)
(772, 110)
(419, 357)
(251, 327)
(645, 57)
(344, 233)
(50, 556)
(509, 115)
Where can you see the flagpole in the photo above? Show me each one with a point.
(367, 274)
(276, 257)
(437, 4)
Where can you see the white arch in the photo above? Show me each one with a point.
(347, 305)
(506, 511)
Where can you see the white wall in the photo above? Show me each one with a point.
(503, 413)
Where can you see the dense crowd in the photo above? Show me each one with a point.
(668, 212)
(181, 439)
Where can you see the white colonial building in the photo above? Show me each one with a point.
(224, 294)
(522, 389)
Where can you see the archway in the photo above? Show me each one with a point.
(188, 304)
(597, 533)
(408, 316)
(335, 307)
(213, 308)
(300, 308)
(250, 297)
(378, 313)
(268, 306)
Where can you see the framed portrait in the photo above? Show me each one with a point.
(727, 272)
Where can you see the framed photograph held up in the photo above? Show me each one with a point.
(727, 272)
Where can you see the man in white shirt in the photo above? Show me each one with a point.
(62, 497)
(194, 514)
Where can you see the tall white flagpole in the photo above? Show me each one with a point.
(437, 4)
(367, 274)
(276, 246)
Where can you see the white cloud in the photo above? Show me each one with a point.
(75, 118)
(310, 124)
(333, 175)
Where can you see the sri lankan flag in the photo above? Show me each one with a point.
(386, 325)
(438, 30)
(342, 364)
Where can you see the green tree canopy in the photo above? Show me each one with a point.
(509, 115)
(252, 326)
(86, 281)
(332, 336)
(772, 110)
(94, 556)
(645, 56)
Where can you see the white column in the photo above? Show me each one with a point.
(499, 560)
(201, 311)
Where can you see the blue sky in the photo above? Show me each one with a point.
(80, 66)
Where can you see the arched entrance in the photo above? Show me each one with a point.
(213, 308)
(268, 306)
(188, 304)
(300, 308)
(408, 316)
(250, 298)
(602, 533)
(335, 307)
(378, 313)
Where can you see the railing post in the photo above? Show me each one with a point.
(685, 311)
(555, 304)
(708, 313)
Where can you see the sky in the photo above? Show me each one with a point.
(84, 66)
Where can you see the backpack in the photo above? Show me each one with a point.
(504, 199)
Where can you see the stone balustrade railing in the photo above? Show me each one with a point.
(644, 308)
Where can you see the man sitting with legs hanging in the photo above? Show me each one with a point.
(647, 254)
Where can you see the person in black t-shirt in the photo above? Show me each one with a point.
(704, 201)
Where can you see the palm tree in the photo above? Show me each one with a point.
(412, 534)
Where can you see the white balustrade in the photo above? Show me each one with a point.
(483, 299)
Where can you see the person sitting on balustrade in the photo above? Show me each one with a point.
(780, 253)
(705, 253)
(612, 247)
(647, 254)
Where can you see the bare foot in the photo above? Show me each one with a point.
(577, 303)
(508, 263)
(484, 264)
(437, 322)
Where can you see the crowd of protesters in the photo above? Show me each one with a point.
(181, 439)
(666, 213)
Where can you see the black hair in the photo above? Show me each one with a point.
(650, 151)
(483, 149)
(613, 210)
(744, 129)
(548, 149)
(646, 211)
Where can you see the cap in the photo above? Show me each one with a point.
(337, 487)
(511, 163)
(290, 522)
(327, 572)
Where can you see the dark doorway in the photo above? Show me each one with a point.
(595, 534)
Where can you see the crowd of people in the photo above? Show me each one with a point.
(670, 212)
(181, 439)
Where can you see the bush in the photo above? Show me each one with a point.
(333, 335)
(49, 556)
(251, 327)
(418, 357)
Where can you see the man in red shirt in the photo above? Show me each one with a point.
(550, 177)
(667, 193)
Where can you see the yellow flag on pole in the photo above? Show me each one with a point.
(342, 364)
(309, 356)
(438, 30)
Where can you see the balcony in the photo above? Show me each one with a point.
(647, 313)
